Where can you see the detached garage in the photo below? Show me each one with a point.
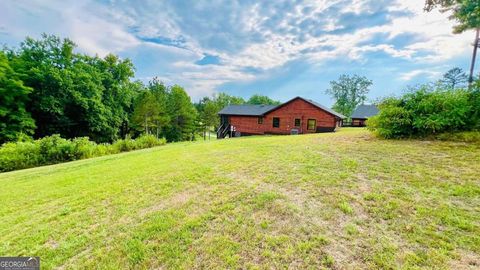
(362, 113)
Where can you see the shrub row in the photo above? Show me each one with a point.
(54, 149)
(426, 112)
(465, 136)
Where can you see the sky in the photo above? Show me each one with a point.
(277, 48)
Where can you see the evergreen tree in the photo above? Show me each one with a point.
(454, 78)
(182, 115)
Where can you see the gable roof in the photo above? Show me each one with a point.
(318, 105)
(260, 110)
(247, 110)
(365, 111)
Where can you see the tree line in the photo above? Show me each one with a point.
(47, 88)
(349, 91)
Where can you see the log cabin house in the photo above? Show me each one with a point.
(362, 113)
(296, 116)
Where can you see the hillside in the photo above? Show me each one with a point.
(336, 200)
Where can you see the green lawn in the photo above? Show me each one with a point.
(337, 200)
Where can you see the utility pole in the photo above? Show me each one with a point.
(476, 45)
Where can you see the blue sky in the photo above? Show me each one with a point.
(277, 48)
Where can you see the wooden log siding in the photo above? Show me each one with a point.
(248, 124)
(287, 113)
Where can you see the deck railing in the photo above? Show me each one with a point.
(223, 131)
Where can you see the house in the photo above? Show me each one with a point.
(362, 113)
(296, 116)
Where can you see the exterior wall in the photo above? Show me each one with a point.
(287, 114)
(357, 122)
(298, 109)
(247, 124)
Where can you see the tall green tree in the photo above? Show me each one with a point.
(209, 107)
(43, 66)
(208, 114)
(454, 78)
(223, 99)
(465, 12)
(74, 94)
(117, 95)
(15, 121)
(160, 93)
(262, 100)
(348, 92)
(182, 115)
(146, 112)
(150, 111)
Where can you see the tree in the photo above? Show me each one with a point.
(160, 94)
(74, 95)
(15, 121)
(208, 112)
(222, 100)
(146, 112)
(465, 12)
(117, 95)
(262, 100)
(454, 78)
(208, 109)
(467, 15)
(77, 95)
(348, 92)
(150, 113)
(182, 115)
(42, 65)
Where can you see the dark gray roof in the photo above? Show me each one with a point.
(250, 110)
(365, 111)
(259, 110)
(318, 105)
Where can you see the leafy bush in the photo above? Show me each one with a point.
(84, 148)
(124, 145)
(466, 136)
(474, 98)
(20, 155)
(426, 112)
(54, 149)
(147, 141)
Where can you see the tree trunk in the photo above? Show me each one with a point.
(146, 125)
(474, 56)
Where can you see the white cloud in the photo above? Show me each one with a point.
(93, 33)
(408, 76)
(264, 36)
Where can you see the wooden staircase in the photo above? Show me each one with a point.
(223, 131)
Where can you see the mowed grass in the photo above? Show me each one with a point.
(343, 200)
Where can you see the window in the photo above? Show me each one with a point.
(311, 124)
(260, 120)
(276, 122)
(297, 122)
